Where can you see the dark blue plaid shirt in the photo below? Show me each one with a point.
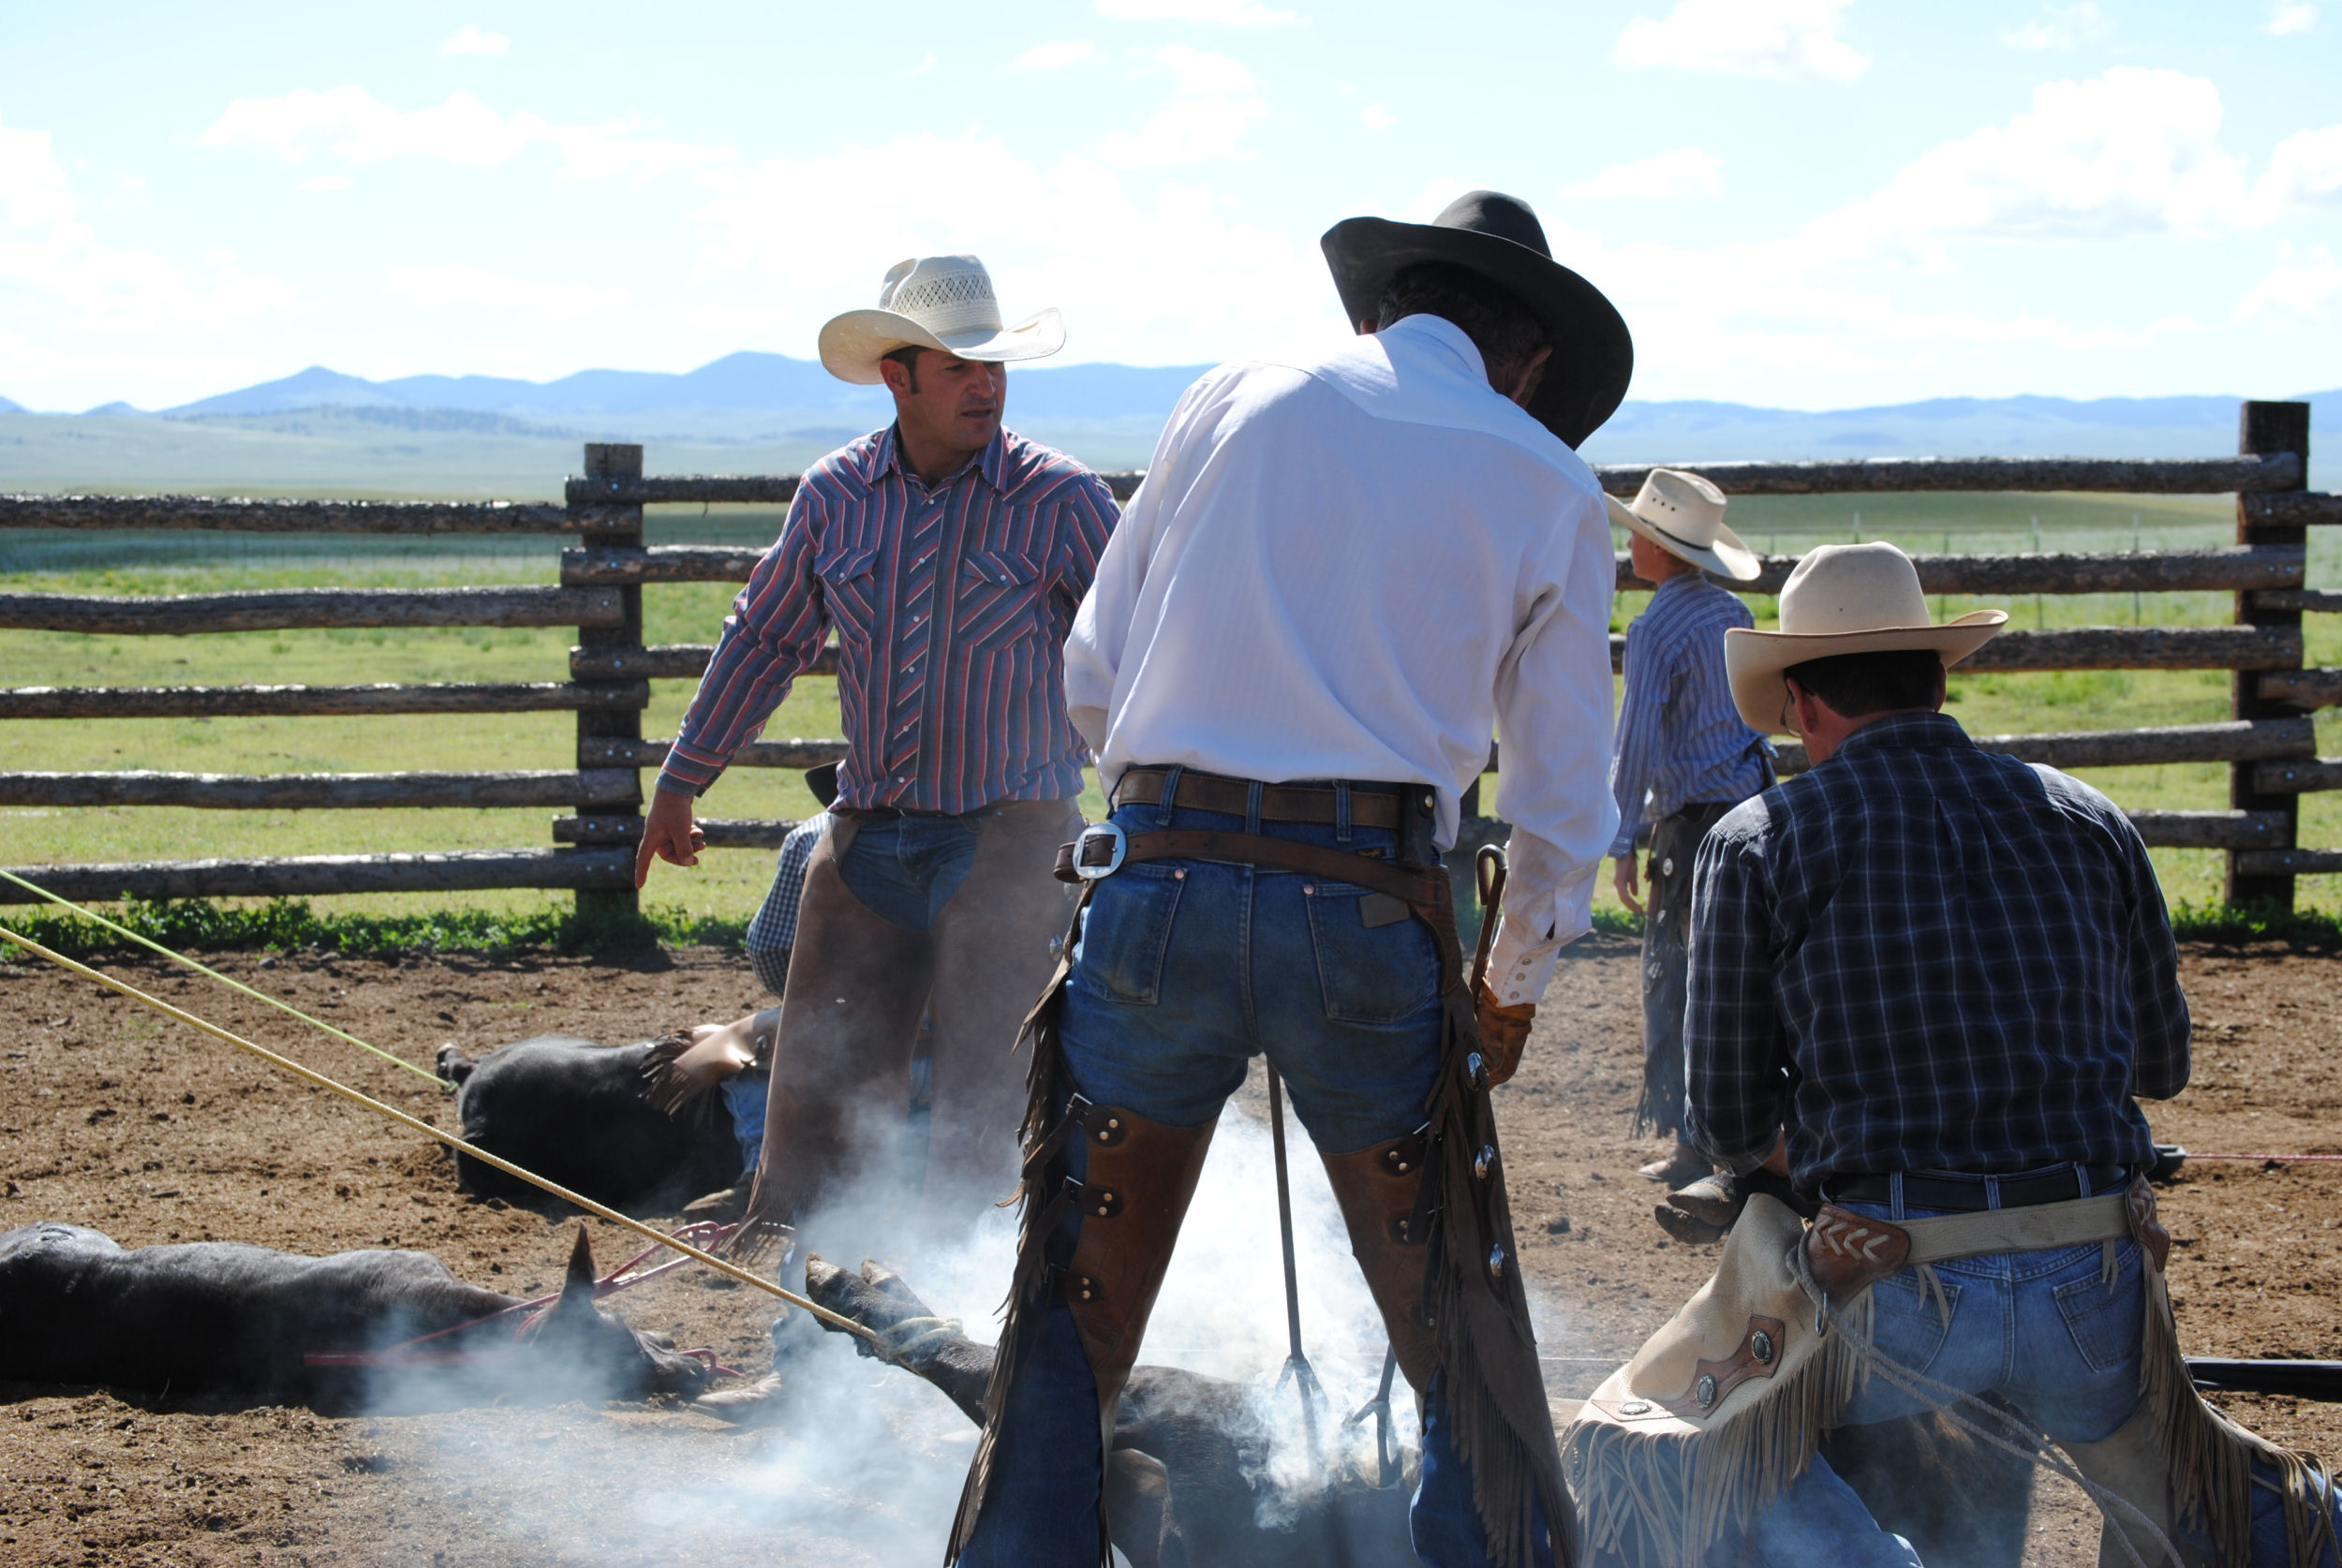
(1924, 956)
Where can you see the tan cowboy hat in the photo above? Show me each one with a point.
(935, 302)
(1844, 598)
(1683, 515)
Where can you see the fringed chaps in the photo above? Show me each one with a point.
(1041, 1213)
(1663, 1496)
(1474, 1292)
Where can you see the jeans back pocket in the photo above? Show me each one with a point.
(1368, 974)
(1126, 931)
(1910, 1319)
(2105, 1320)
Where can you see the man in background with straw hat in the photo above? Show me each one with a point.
(1342, 572)
(1682, 759)
(948, 554)
(1946, 973)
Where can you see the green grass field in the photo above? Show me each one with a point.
(728, 883)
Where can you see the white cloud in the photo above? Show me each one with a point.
(1224, 13)
(51, 254)
(2059, 27)
(2304, 169)
(1145, 279)
(2292, 16)
(352, 125)
(1374, 117)
(327, 182)
(1685, 172)
(2128, 153)
(1214, 102)
(1055, 55)
(2302, 286)
(468, 39)
(923, 67)
(456, 284)
(1745, 38)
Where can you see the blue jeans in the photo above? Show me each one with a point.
(1184, 971)
(2040, 1329)
(907, 868)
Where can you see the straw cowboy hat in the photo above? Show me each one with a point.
(1498, 237)
(1844, 598)
(935, 302)
(1683, 515)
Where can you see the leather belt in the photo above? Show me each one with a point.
(894, 814)
(1102, 845)
(1965, 1193)
(1373, 806)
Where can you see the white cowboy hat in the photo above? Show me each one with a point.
(1844, 598)
(934, 302)
(1683, 515)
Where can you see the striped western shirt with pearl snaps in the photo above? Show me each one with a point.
(1357, 565)
(951, 606)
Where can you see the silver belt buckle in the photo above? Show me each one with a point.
(1113, 835)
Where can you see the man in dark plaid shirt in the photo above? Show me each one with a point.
(1924, 955)
(1944, 973)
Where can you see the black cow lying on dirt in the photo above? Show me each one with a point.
(613, 1122)
(229, 1321)
(1185, 1483)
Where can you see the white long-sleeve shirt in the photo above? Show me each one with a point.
(1359, 568)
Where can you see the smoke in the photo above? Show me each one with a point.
(866, 1461)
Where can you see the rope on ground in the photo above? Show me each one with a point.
(121, 930)
(2265, 1159)
(355, 1097)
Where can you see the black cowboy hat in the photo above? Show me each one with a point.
(1498, 237)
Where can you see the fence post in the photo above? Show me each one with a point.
(2264, 428)
(608, 525)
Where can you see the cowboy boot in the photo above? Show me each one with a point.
(1378, 1188)
(1140, 1175)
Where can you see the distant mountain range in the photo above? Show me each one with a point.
(1109, 413)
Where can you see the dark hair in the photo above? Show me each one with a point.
(907, 357)
(1492, 316)
(1858, 685)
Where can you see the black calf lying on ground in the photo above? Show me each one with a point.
(574, 1112)
(230, 1320)
(1186, 1482)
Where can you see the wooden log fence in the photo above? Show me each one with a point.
(2269, 744)
(282, 702)
(309, 608)
(277, 792)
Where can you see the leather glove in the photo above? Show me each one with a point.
(1504, 1032)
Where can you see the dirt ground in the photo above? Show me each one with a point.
(114, 1118)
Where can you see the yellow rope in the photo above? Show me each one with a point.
(96, 918)
(395, 1114)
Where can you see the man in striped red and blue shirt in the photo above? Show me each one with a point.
(948, 554)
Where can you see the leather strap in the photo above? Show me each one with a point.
(1370, 806)
(1848, 1252)
(1425, 888)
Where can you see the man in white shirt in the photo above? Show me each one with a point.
(1338, 577)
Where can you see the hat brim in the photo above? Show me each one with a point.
(1594, 354)
(1753, 660)
(1727, 558)
(852, 345)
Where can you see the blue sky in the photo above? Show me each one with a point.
(1808, 203)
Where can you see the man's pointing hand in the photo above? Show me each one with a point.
(668, 834)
